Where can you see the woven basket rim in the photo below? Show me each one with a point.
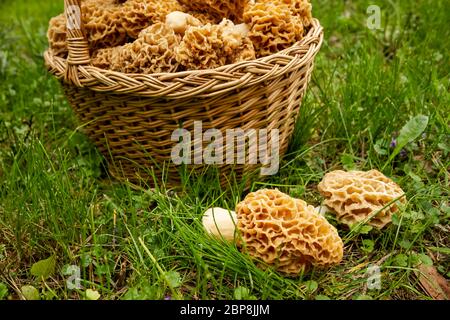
(194, 83)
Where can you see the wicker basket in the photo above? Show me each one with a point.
(131, 117)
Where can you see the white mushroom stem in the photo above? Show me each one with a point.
(221, 223)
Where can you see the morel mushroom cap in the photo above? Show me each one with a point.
(102, 25)
(201, 48)
(230, 9)
(211, 46)
(204, 17)
(180, 21)
(56, 35)
(140, 14)
(286, 233)
(299, 8)
(152, 52)
(355, 196)
(272, 28)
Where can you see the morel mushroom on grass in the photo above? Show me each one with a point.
(279, 230)
(357, 196)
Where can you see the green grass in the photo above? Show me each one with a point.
(56, 198)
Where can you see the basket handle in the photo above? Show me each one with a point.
(77, 43)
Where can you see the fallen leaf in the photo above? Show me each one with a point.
(44, 268)
(30, 293)
(435, 285)
(92, 294)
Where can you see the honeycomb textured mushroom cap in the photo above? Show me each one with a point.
(299, 8)
(102, 24)
(286, 232)
(272, 27)
(152, 52)
(204, 17)
(140, 14)
(303, 10)
(356, 195)
(103, 58)
(230, 9)
(56, 36)
(211, 46)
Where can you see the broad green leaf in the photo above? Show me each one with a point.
(49, 295)
(365, 229)
(410, 132)
(44, 268)
(174, 279)
(30, 293)
(401, 260)
(86, 260)
(143, 292)
(368, 245)
(348, 162)
(311, 285)
(395, 219)
(416, 228)
(414, 176)
(92, 294)
(415, 215)
(132, 294)
(363, 297)
(414, 260)
(379, 147)
(241, 293)
(425, 259)
(3, 291)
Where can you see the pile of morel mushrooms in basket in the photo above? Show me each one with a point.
(155, 36)
(292, 236)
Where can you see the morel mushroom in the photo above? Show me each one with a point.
(102, 25)
(281, 231)
(138, 15)
(152, 52)
(230, 9)
(356, 196)
(272, 27)
(301, 9)
(56, 35)
(211, 46)
(180, 21)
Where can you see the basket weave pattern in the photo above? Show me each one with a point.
(131, 117)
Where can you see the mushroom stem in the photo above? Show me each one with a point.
(219, 222)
